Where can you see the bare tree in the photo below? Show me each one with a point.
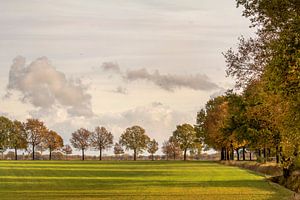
(118, 150)
(171, 148)
(101, 139)
(67, 149)
(80, 140)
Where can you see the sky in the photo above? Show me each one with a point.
(114, 63)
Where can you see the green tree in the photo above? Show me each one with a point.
(152, 147)
(18, 137)
(135, 138)
(185, 135)
(6, 127)
(101, 139)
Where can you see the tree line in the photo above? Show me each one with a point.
(262, 114)
(33, 135)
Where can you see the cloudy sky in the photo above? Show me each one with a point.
(116, 63)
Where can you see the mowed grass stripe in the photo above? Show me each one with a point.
(131, 180)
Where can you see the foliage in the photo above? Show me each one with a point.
(135, 138)
(185, 135)
(53, 142)
(152, 147)
(35, 131)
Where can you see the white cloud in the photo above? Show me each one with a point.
(44, 87)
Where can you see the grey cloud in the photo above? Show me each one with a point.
(121, 90)
(170, 81)
(43, 86)
(110, 67)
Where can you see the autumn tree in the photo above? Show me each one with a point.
(66, 149)
(101, 139)
(53, 141)
(80, 140)
(274, 56)
(152, 147)
(118, 150)
(134, 138)
(17, 137)
(185, 135)
(171, 148)
(35, 131)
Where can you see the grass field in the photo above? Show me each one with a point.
(132, 180)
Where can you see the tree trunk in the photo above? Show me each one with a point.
(222, 154)
(16, 153)
(265, 155)
(227, 154)
(237, 154)
(277, 155)
(33, 151)
(50, 153)
(82, 154)
(152, 157)
(250, 156)
(184, 155)
(244, 152)
(232, 153)
(259, 153)
(174, 155)
(100, 154)
(134, 154)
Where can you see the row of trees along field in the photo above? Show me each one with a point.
(263, 115)
(30, 136)
(33, 135)
(134, 138)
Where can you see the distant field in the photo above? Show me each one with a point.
(132, 180)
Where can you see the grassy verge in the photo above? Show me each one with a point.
(271, 170)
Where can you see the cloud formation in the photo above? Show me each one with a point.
(168, 82)
(44, 87)
(171, 82)
(121, 90)
(111, 67)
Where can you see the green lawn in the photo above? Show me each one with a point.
(132, 180)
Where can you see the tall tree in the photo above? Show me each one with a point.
(53, 142)
(17, 138)
(152, 147)
(101, 139)
(185, 134)
(134, 138)
(67, 149)
(275, 52)
(80, 140)
(35, 131)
